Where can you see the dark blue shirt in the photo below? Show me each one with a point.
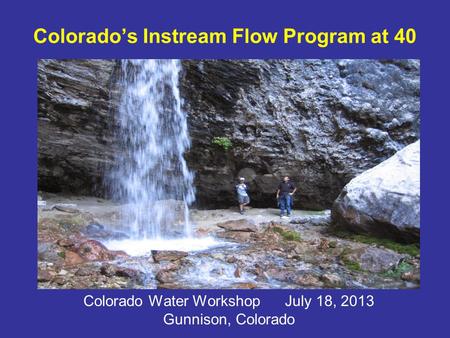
(286, 187)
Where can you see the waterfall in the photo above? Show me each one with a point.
(150, 173)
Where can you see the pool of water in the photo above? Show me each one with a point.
(143, 247)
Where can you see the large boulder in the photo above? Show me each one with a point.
(92, 250)
(384, 200)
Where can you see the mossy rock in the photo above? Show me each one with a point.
(350, 264)
(288, 235)
(408, 249)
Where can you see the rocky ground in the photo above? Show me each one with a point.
(257, 250)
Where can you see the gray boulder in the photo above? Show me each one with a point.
(385, 200)
(374, 259)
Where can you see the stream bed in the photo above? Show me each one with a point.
(78, 250)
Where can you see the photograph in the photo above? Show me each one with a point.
(228, 174)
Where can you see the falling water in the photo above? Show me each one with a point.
(151, 174)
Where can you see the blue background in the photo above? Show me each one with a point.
(28, 311)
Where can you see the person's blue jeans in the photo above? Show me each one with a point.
(285, 203)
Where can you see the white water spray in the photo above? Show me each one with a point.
(151, 175)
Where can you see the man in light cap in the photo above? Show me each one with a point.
(242, 195)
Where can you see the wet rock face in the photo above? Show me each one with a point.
(74, 132)
(320, 121)
(385, 200)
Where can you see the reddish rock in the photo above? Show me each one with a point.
(59, 280)
(244, 285)
(84, 271)
(411, 276)
(281, 274)
(324, 244)
(237, 236)
(238, 225)
(119, 254)
(202, 232)
(65, 242)
(165, 277)
(45, 275)
(111, 270)
(170, 286)
(237, 273)
(332, 280)
(231, 259)
(167, 255)
(309, 280)
(92, 250)
(72, 258)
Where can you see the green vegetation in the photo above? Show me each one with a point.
(288, 235)
(349, 263)
(398, 270)
(73, 222)
(332, 244)
(62, 254)
(409, 249)
(222, 142)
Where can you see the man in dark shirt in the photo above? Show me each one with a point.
(284, 196)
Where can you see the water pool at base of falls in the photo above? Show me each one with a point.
(143, 247)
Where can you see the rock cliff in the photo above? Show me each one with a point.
(75, 142)
(320, 121)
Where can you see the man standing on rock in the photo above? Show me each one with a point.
(285, 192)
(242, 195)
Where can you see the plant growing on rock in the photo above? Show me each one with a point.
(397, 271)
(288, 235)
(409, 249)
(222, 142)
(348, 262)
